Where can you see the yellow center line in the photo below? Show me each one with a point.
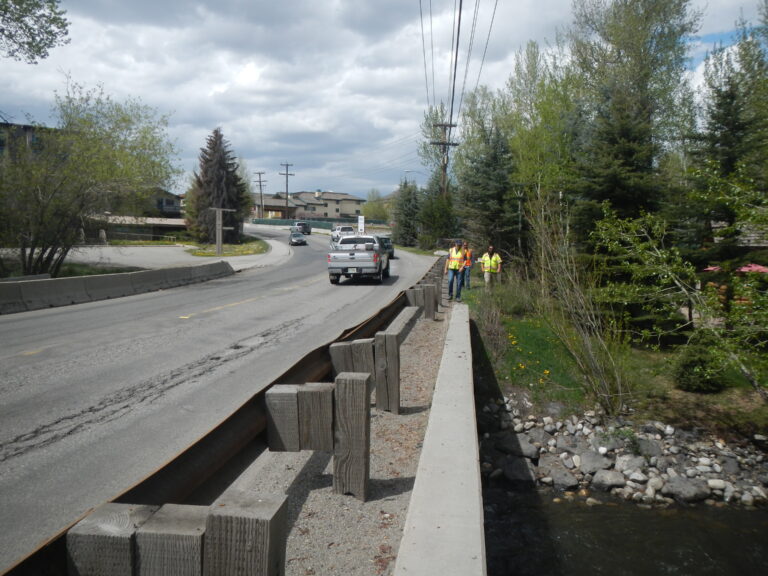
(247, 301)
(32, 352)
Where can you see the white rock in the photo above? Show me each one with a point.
(747, 499)
(547, 481)
(548, 421)
(519, 427)
(759, 493)
(576, 460)
(602, 450)
(691, 472)
(656, 483)
(638, 477)
(669, 430)
(650, 491)
(705, 461)
(716, 484)
(671, 472)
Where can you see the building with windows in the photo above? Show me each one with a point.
(326, 204)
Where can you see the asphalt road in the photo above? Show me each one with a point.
(95, 397)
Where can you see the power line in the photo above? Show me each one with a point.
(424, 52)
(487, 41)
(457, 18)
(469, 57)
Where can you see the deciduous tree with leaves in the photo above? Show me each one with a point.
(101, 153)
(30, 28)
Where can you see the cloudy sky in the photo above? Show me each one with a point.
(336, 88)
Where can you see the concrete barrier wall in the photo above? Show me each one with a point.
(106, 286)
(11, 299)
(20, 296)
(444, 531)
(54, 292)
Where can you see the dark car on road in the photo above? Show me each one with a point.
(303, 227)
(297, 239)
(386, 242)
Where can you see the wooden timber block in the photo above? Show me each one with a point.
(316, 416)
(245, 535)
(170, 543)
(387, 372)
(103, 543)
(352, 438)
(404, 322)
(352, 356)
(415, 296)
(283, 418)
(341, 357)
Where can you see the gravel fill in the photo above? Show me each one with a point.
(332, 534)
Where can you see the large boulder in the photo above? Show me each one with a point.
(517, 445)
(520, 472)
(685, 489)
(592, 461)
(608, 479)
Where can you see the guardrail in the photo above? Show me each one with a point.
(139, 532)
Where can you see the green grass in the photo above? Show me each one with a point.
(537, 360)
(247, 248)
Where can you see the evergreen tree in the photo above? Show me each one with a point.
(406, 230)
(436, 214)
(631, 55)
(217, 185)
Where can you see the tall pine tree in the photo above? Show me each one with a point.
(217, 185)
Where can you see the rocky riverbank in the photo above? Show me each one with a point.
(589, 457)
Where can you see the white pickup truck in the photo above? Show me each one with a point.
(340, 231)
(358, 257)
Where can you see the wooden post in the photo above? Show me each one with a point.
(245, 534)
(283, 418)
(316, 416)
(103, 543)
(170, 543)
(430, 301)
(387, 357)
(352, 443)
(387, 372)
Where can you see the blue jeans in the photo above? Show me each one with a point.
(454, 276)
(465, 277)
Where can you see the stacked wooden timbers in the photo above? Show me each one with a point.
(243, 532)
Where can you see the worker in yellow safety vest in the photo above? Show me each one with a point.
(491, 266)
(454, 267)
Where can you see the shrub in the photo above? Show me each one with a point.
(698, 367)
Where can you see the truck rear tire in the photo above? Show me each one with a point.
(334, 279)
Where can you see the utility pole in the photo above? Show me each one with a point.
(445, 144)
(286, 174)
(261, 194)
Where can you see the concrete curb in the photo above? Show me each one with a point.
(444, 529)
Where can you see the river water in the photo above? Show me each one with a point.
(527, 533)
